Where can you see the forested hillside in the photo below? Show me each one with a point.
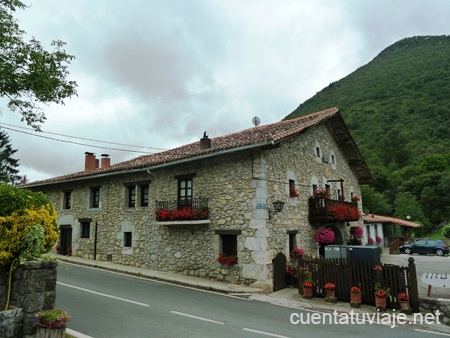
(397, 108)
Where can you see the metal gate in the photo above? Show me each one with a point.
(279, 271)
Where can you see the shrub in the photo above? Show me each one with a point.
(28, 225)
(446, 231)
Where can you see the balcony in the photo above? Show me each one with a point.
(325, 210)
(174, 212)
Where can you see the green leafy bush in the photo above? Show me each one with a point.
(446, 231)
(28, 226)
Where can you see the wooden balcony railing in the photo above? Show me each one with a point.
(322, 210)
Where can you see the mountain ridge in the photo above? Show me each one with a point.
(397, 108)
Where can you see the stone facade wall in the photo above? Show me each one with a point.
(33, 289)
(240, 188)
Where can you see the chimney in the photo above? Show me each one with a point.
(106, 161)
(205, 142)
(90, 162)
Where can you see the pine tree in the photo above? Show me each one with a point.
(8, 165)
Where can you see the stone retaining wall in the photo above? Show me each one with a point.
(33, 289)
(429, 305)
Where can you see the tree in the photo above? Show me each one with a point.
(8, 165)
(29, 74)
(407, 205)
(375, 202)
(26, 218)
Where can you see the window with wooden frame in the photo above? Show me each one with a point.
(67, 200)
(131, 196)
(184, 192)
(94, 198)
(144, 189)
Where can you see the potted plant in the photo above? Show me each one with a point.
(356, 233)
(227, 259)
(51, 323)
(307, 284)
(307, 290)
(294, 193)
(330, 290)
(355, 198)
(69, 250)
(58, 249)
(381, 294)
(322, 193)
(297, 252)
(355, 296)
(292, 275)
(324, 236)
(404, 301)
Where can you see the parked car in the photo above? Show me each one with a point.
(426, 246)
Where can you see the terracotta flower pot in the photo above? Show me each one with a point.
(404, 304)
(307, 293)
(380, 302)
(355, 298)
(330, 293)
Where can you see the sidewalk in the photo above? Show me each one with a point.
(288, 297)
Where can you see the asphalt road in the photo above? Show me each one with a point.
(424, 264)
(107, 304)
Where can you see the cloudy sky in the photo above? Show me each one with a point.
(160, 73)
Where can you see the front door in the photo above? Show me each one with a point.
(66, 239)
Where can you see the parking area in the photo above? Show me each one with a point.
(424, 264)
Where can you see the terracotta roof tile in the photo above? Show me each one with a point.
(274, 132)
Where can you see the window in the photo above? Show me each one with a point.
(292, 191)
(292, 242)
(317, 152)
(85, 229)
(94, 201)
(333, 159)
(144, 195)
(131, 196)
(67, 200)
(184, 193)
(229, 245)
(127, 238)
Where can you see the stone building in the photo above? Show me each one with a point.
(178, 210)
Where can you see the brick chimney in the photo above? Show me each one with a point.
(205, 142)
(106, 161)
(90, 162)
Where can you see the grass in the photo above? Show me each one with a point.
(436, 234)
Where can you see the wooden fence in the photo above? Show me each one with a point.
(345, 273)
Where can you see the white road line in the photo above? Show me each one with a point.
(155, 279)
(77, 334)
(264, 333)
(439, 333)
(196, 317)
(103, 294)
